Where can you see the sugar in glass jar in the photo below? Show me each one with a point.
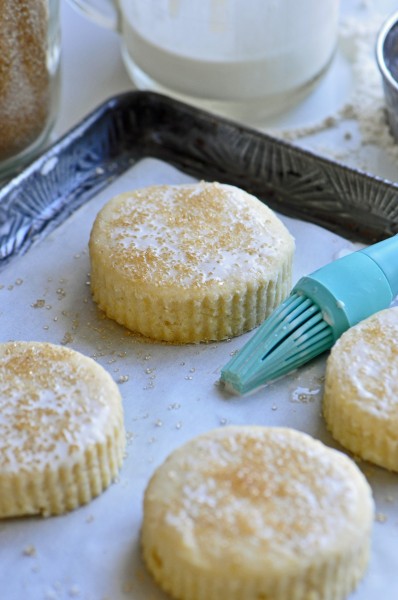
(29, 79)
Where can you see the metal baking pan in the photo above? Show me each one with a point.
(170, 392)
(134, 125)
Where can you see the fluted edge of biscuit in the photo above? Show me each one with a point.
(55, 491)
(213, 524)
(334, 579)
(355, 433)
(171, 317)
(359, 400)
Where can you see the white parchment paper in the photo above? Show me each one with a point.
(170, 394)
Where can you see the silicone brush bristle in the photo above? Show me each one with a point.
(321, 307)
(295, 333)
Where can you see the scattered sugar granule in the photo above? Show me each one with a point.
(29, 551)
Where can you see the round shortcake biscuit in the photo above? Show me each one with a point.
(189, 263)
(360, 401)
(249, 512)
(62, 436)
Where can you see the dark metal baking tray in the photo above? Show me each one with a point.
(134, 125)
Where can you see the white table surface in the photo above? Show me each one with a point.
(93, 552)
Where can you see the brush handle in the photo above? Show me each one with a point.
(385, 255)
(354, 287)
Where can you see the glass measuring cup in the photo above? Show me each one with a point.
(240, 57)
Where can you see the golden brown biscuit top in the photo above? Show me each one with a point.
(54, 402)
(191, 235)
(252, 490)
(368, 357)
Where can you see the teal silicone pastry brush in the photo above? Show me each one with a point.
(320, 308)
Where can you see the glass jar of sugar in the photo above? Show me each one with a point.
(29, 79)
(243, 58)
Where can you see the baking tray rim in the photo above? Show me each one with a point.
(134, 125)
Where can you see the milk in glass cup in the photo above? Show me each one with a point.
(29, 79)
(244, 58)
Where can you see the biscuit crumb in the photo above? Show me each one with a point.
(381, 517)
(29, 551)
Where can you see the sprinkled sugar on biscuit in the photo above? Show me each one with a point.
(61, 429)
(360, 402)
(189, 263)
(256, 512)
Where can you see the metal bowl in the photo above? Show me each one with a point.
(387, 61)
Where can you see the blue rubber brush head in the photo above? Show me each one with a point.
(295, 333)
(321, 307)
